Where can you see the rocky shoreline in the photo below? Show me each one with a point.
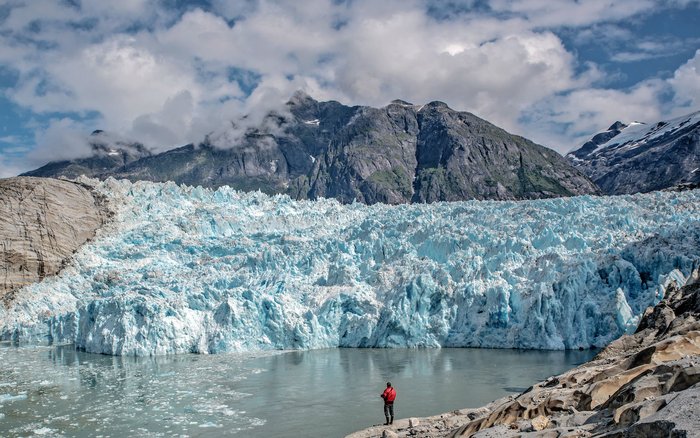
(642, 385)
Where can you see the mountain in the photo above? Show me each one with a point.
(396, 154)
(641, 158)
(108, 155)
(180, 269)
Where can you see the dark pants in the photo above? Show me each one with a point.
(389, 410)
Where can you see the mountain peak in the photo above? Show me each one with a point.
(436, 104)
(300, 97)
(617, 126)
(400, 102)
(640, 157)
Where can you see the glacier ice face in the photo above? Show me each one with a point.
(184, 269)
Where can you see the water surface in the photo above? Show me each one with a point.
(58, 391)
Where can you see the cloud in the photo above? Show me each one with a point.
(58, 139)
(121, 78)
(614, 34)
(169, 76)
(547, 13)
(570, 119)
(648, 48)
(686, 84)
(169, 125)
(467, 73)
(8, 168)
(62, 139)
(10, 139)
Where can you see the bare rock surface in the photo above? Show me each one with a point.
(642, 385)
(42, 222)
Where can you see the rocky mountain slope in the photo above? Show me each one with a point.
(642, 385)
(396, 154)
(42, 222)
(641, 158)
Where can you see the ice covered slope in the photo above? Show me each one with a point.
(640, 158)
(185, 269)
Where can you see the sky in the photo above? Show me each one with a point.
(168, 72)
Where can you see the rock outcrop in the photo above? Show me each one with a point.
(396, 154)
(642, 385)
(42, 222)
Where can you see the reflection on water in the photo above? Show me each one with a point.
(324, 393)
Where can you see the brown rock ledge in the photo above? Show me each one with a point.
(642, 385)
(43, 221)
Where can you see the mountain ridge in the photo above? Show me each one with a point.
(396, 154)
(640, 157)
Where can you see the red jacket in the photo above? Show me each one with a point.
(389, 395)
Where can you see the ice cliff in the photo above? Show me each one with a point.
(183, 269)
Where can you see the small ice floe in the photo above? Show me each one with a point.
(210, 425)
(9, 398)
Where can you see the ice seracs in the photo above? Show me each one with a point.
(184, 269)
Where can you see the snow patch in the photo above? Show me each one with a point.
(637, 134)
(629, 134)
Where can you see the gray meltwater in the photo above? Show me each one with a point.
(57, 391)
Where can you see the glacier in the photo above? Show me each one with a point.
(185, 269)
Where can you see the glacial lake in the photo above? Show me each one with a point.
(58, 391)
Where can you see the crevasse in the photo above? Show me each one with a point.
(184, 269)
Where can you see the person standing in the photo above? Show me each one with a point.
(389, 395)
